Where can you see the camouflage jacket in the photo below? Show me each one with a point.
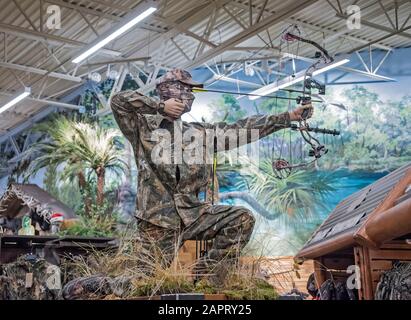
(168, 193)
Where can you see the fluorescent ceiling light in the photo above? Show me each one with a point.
(113, 35)
(289, 81)
(16, 100)
(330, 66)
(274, 87)
(232, 80)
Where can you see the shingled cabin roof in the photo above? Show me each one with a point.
(339, 230)
(19, 196)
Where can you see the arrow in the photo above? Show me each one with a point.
(195, 89)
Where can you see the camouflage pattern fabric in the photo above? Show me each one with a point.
(312, 286)
(327, 290)
(167, 199)
(6, 289)
(176, 90)
(167, 193)
(395, 284)
(180, 75)
(85, 286)
(177, 84)
(335, 290)
(29, 278)
(96, 287)
(229, 226)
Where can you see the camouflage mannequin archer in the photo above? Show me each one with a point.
(168, 208)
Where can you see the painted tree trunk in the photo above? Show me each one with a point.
(251, 201)
(101, 176)
(83, 188)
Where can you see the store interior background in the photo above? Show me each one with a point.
(375, 128)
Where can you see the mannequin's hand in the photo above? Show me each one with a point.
(296, 115)
(174, 108)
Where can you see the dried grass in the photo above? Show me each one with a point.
(141, 273)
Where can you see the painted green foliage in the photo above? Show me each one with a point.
(81, 160)
(375, 134)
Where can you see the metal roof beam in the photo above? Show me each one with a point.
(118, 61)
(388, 7)
(86, 10)
(42, 114)
(243, 24)
(46, 101)
(56, 103)
(259, 49)
(15, 146)
(372, 75)
(188, 20)
(112, 5)
(399, 32)
(337, 33)
(366, 73)
(27, 124)
(51, 38)
(252, 31)
(380, 39)
(57, 75)
(184, 30)
(241, 36)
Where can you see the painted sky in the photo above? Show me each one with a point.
(386, 91)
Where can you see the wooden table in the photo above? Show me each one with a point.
(50, 248)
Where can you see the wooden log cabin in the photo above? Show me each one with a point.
(370, 229)
(21, 200)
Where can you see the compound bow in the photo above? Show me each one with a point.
(281, 167)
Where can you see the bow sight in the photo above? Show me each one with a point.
(311, 83)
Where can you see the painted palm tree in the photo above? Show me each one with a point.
(56, 150)
(97, 150)
(80, 149)
(297, 198)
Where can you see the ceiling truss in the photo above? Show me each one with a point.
(221, 36)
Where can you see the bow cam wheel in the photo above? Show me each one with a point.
(281, 168)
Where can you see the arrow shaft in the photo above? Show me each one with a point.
(249, 94)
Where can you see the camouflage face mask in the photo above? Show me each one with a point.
(176, 90)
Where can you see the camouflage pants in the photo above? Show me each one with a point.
(230, 228)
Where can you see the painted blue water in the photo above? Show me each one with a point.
(276, 239)
(349, 182)
(346, 183)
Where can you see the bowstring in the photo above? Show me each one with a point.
(279, 69)
(290, 149)
(289, 102)
(288, 40)
(280, 64)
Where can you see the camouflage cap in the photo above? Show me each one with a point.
(179, 75)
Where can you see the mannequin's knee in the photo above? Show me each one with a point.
(247, 219)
